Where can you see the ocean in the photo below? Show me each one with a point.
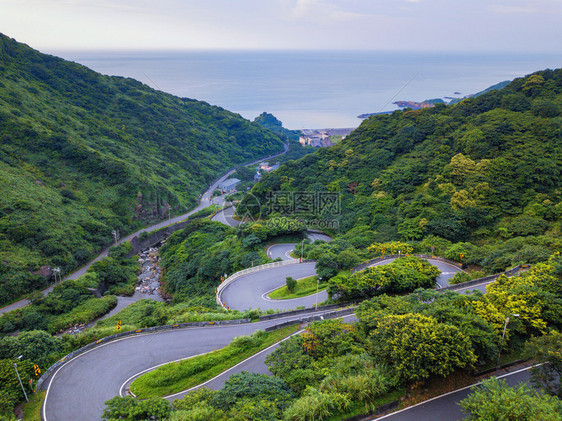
(313, 89)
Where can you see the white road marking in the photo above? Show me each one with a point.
(233, 367)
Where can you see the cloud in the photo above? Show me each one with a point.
(303, 7)
(321, 11)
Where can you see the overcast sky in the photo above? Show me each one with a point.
(446, 25)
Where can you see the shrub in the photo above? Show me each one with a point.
(291, 283)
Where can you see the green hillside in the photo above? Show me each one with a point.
(486, 170)
(269, 121)
(82, 154)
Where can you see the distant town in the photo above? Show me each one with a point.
(322, 138)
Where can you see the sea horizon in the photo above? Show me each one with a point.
(313, 89)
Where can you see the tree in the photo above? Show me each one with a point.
(459, 252)
(326, 265)
(394, 247)
(461, 168)
(35, 346)
(291, 283)
(495, 400)
(291, 363)
(251, 385)
(533, 84)
(482, 337)
(347, 259)
(251, 241)
(402, 275)
(547, 350)
(131, 409)
(330, 338)
(417, 346)
(515, 295)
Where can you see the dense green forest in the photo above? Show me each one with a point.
(83, 154)
(485, 171)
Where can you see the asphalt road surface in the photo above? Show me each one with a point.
(79, 388)
(226, 216)
(281, 251)
(250, 291)
(446, 407)
(469, 289)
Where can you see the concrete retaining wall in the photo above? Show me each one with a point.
(295, 312)
(323, 316)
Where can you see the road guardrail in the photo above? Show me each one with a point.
(513, 271)
(145, 330)
(259, 268)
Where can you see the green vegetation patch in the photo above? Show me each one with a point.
(175, 377)
(303, 287)
(194, 259)
(71, 302)
(100, 153)
(483, 173)
(358, 408)
(404, 274)
(32, 409)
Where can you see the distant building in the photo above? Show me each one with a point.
(229, 185)
(264, 166)
(321, 138)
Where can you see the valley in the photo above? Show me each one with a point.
(439, 252)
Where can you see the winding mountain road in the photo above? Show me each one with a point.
(79, 388)
(250, 291)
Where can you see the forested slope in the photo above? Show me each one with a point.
(486, 169)
(82, 154)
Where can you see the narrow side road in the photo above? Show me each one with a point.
(446, 407)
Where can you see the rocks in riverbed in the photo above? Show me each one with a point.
(149, 279)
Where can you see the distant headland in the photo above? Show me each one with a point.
(428, 103)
